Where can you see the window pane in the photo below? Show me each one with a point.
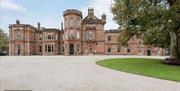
(49, 48)
(52, 48)
(109, 38)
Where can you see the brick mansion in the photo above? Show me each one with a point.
(77, 36)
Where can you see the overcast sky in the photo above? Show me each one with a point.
(50, 12)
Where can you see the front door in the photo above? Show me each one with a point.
(18, 50)
(71, 49)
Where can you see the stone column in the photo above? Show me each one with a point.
(66, 51)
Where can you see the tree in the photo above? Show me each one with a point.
(3, 40)
(156, 21)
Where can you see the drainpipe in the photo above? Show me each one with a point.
(24, 41)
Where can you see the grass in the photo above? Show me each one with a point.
(145, 67)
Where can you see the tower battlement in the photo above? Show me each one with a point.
(72, 11)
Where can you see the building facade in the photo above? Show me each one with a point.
(77, 36)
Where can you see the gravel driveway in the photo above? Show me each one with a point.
(73, 73)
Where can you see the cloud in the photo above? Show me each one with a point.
(100, 7)
(9, 5)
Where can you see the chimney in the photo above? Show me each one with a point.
(90, 11)
(17, 22)
(103, 17)
(61, 25)
(39, 25)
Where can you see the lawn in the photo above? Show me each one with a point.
(145, 67)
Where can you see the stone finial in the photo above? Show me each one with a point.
(17, 22)
(39, 25)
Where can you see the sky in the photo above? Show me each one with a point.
(50, 12)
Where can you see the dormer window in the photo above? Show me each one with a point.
(49, 37)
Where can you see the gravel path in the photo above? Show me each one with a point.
(73, 73)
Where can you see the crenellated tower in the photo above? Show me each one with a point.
(72, 32)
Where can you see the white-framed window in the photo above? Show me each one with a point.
(49, 48)
(50, 36)
(18, 35)
(90, 35)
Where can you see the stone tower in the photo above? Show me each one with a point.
(72, 32)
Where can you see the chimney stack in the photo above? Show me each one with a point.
(39, 25)
(103, 17)
(61, 25)
(90, 11)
